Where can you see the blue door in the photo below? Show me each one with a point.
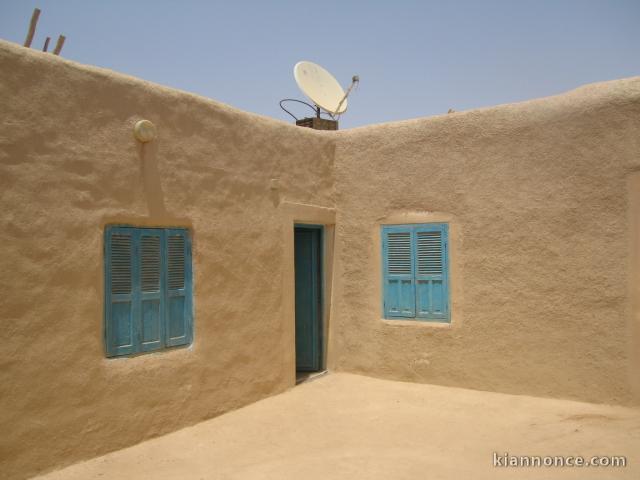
(308, 278)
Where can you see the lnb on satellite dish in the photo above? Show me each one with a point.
(324, 91)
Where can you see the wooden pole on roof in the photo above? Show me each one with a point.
(59, 44)
(32, 27)
(46, 44)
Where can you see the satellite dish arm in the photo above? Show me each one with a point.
(355, 79)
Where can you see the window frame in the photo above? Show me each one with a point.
(414, 228)
(165, 342)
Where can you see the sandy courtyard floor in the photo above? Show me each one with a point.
(343, 426)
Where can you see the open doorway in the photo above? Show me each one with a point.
(308, 241)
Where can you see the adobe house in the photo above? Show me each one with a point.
(150, 286)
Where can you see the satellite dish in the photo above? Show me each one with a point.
(321, 87)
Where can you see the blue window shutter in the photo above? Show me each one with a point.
(151, 287)
(178, 318)
(399, 287)
(120, 315)
(432, 271)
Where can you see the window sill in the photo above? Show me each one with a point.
(418, 323)
(152, 354)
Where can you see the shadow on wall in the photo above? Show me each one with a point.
(153, 194)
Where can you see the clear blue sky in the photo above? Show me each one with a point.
(414, 58)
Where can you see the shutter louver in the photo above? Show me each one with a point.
(150, 268)
(121, 264)
(429, 253)
(176, 262)
(399, 253)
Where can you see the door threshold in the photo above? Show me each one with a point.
(302, 377)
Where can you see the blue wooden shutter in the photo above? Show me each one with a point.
(399, 288)
(178, 293)
(151, 286)
(431, 267)
(120, 324)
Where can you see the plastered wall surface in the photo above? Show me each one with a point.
(536, 194)
(541, 198)
(69, 165)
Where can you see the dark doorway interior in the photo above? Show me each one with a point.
(308, 285)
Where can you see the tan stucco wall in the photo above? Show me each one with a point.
(536, 196)
(69, 164)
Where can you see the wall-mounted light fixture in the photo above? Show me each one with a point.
(144, 131)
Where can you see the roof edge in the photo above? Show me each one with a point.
(588, 96)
